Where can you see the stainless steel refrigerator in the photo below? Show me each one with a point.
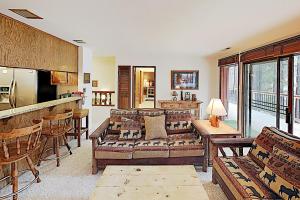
(18, 87)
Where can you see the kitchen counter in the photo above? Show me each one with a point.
(25, 109)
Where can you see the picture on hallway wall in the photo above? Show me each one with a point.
(184, 79)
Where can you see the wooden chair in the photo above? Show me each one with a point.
(57, 126)
(16, 145)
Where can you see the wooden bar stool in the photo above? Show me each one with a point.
(78, 115)
(57, 127)
(17, 145)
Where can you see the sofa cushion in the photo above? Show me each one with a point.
(269, 136)
(282, 174)
(151, 149)
(130, 129)
(240, 176)
(148, 112)
(178, 121)
(155, 127)
(178, 136)
(114, 150)
(115, 119)
(185, 147)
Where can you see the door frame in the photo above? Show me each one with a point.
(133, 83)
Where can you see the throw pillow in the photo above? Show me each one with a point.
(149, 112)
(155, 127)
(130, 129)
(282, 174)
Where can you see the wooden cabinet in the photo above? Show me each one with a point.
(59, 78)
(24, 46)
(72, 78)
(64, 78)
(193, 105)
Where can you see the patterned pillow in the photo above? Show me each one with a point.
(282, 174)
(270, 136)
(116, 119)
(150, 113)
(130, 129)
(178, 121)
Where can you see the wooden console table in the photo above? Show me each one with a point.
(193, 105)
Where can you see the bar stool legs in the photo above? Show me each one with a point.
(56, 150)
(14, 177)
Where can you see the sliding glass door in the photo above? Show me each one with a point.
(272, 95)
(260, 96)
(296, 97)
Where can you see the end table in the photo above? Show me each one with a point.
(207, 132)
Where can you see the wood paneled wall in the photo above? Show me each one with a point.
(26, 47)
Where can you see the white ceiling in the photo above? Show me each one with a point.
(158, 27)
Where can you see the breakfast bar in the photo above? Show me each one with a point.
(23, 116)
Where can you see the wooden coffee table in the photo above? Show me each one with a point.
(148, 183)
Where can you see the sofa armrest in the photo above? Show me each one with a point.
(232, 142)
(99, 132)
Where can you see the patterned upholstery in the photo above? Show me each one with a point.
(157, 148)
(116, 119)
(148, 112)
(240, 175)
(130, 129)
(180, 136)
(114, 150)
(185, 147)
(263, 144)
(282, 174)
(178, 121)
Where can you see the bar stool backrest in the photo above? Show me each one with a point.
(61, 120)
(22, 140)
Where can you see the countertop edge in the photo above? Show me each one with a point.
(26, 109)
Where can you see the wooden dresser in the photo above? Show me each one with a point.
(193, 105)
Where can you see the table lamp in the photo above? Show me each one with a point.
(215, 109)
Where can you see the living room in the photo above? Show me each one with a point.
(193, 99)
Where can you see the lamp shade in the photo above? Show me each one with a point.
(216, 107)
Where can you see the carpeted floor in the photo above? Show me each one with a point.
(73, 180)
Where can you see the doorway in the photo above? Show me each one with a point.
(144, 87)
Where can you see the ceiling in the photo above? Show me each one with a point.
(162, 27)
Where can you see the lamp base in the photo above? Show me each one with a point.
(214, 121)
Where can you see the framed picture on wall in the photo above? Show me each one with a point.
(86, 78)
(185, 79)
(94, 83)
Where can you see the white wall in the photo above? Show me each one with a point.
(104, 71)
(107, 74)
(85, 65)
(208, 74)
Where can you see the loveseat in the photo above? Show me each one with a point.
(112, 145)
(270, 170)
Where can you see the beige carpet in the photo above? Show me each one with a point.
(73, 180)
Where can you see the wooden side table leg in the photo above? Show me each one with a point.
(79, 124)
(87, 126)
(206, 156)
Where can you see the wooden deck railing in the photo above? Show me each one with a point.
(267, 102)
(102, 98)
